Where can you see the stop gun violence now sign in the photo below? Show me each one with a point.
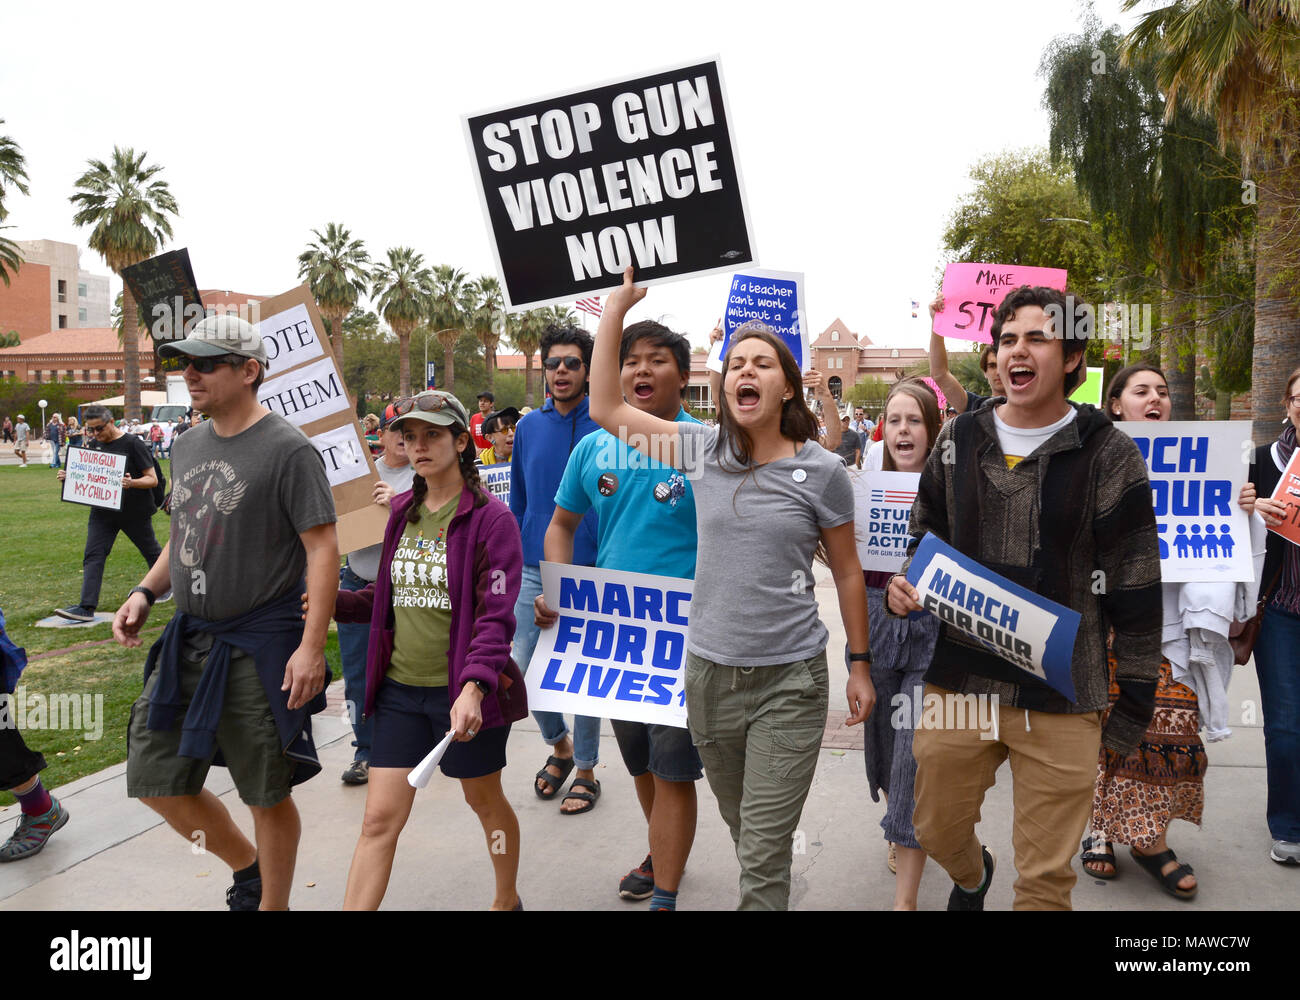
(641, 171)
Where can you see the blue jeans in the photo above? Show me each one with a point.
(353, 639)
(54, 455)
(586, 731)
(1278, 666)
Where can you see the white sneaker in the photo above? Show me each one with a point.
(1285, 852)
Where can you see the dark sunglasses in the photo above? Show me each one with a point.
(204, 366)
(430, 404)
(569, 362)
(94, 430)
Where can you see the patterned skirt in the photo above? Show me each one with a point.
(1162, 780)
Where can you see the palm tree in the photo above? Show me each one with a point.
(447, 316)
(1239, 60)
(336, 268)
(13, 173)
(526, 333)
(485, 320)
(129, 208)
(403, 290)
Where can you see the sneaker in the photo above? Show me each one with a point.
(960, 899)
(1285, 852)
(76, 613)
(32, 832)
(639, 883)
(245, 895)
(357, 773)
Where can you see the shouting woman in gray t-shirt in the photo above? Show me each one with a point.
(768, 498)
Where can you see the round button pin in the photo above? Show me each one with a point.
(799, 475)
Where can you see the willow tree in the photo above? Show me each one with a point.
(1239, 61)
(1156, 182)
(130, 210)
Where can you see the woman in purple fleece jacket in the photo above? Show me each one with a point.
(441, 615)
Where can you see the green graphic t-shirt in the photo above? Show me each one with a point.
(421, 601)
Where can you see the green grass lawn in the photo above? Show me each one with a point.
(40, 569)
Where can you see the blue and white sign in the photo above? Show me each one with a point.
(1197, 469)
(496, 480)
(774, 298)
(1026, 630)
(430, 374)
(618, 650)
(882, 511)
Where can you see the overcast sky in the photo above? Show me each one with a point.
(855, 124)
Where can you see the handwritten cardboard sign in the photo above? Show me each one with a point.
(973, 292)
(94, 478)
(641, 171)
(1196, 469)
(618, 650)
(304, 385)
(168, 296)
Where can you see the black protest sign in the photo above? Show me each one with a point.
(167, 294)
(577, 186)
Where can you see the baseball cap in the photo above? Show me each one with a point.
(486, 395)
(433, 406)
(213, 336)
(490, 421)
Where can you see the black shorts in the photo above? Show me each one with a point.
(19, 763)
(664, 751)
(410, 721)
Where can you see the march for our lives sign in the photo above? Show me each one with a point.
(773, 298)
(1026, 630)
(618, 650)
(496, 479)
(883, 504)
(1197, 469)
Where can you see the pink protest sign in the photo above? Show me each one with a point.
(973, 292)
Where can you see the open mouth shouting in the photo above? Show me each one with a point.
(1021, 376)
(643, 389)
(747, 397)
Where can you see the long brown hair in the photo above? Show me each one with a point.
(929, 403)
(1120, 379)
(468, 472)
(797, 421)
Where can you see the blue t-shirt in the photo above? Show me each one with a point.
(645, 511)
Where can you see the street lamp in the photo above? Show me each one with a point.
(42, 404)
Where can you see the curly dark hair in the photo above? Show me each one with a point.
(1056, 303)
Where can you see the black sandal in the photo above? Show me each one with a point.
(1154, 862)
(587, 797)
(553, 783)
(1105, 856)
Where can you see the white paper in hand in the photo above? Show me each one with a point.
(423, 771)
(714, 361)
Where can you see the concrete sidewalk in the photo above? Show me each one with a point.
(116, 854)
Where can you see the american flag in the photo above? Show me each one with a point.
(591, 305)
(893, 496)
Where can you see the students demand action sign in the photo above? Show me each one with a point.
(578, 186)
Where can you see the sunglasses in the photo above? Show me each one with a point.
(431, 403)
(204, 366)
(93, 430)
(569, 362)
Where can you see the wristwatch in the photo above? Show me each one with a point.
(149, 595)
(865, 657)
(481, 685)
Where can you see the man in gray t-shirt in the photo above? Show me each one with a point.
(850, 446)
(237, 671)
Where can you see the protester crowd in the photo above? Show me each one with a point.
(438, 621)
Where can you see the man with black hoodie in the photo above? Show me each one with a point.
(544, 440)
(1052, 496)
